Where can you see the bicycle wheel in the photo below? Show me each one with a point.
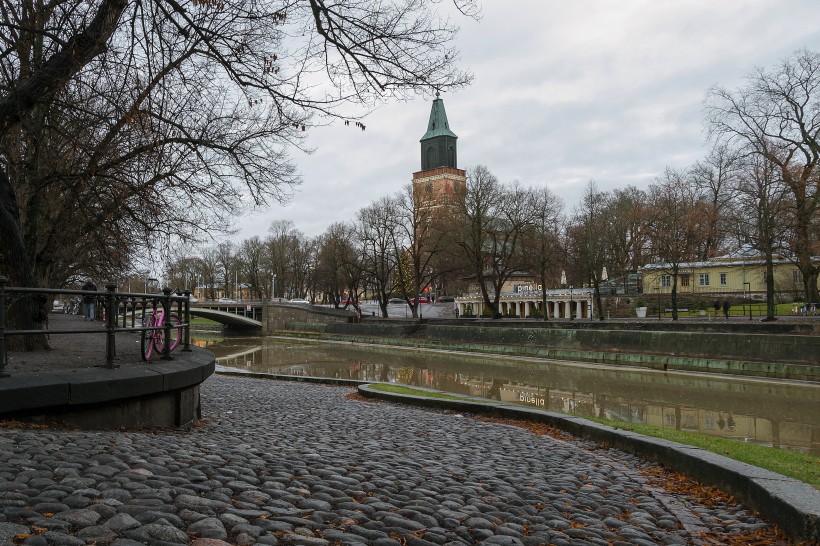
(176, 331)
(147, 341)
(176, 335)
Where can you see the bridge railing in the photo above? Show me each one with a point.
(117, 308)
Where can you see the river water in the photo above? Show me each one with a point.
(777, 413)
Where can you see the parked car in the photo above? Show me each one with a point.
(396, 300)
(226, 300)
(422, 299)
(58, 307)
(300, 300)
(193, 299)
(446, 299)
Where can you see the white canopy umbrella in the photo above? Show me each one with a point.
(563, 277)
(603, 274)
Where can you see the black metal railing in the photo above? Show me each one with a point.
(118, 306)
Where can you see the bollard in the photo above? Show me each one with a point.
(3, 355)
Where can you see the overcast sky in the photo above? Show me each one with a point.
(564, 92)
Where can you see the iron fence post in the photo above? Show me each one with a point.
(3, 356)
(166, 305)
(186, 318)
(110, 325)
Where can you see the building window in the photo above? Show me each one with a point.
(704, 279)
(666, 281)
(684, 280)
(797, 278)
(723, 279)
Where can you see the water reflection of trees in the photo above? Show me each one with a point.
(771, 413)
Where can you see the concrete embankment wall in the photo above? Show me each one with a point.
(766, 355)
(278, 316)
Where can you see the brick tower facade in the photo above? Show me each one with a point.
(440, 181)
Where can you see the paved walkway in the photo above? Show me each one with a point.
(75, 351)
(289, 463)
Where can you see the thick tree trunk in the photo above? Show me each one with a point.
(25, 311)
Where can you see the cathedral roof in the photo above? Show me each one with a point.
(438, 126)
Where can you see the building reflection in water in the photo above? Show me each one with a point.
(777, 413)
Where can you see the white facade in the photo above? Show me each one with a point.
(563, 303)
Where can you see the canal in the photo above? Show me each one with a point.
(784, 414)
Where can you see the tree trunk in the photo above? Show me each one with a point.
(25, 311)
(770, 308)
(674, 295)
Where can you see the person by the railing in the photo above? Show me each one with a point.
(88, 300)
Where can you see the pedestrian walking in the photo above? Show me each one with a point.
(88, 300)
(726, 306)
(717, 308)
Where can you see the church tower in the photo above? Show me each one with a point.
(439, 181)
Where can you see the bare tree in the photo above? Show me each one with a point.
(626, 231)
(250, 261)
(424, 234)
(283, 258)
(763, 210)
(677, 225)
(340, 265)
(776, 115)
(542, 242)
(165, 117)
(226, 260)
(588, 245)
(210, 272)
(716, 178)
(495, 222)
(379, 232)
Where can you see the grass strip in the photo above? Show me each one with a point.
(794, 464)
(797, 465)
(401, 389)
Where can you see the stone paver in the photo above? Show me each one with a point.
(291, 463)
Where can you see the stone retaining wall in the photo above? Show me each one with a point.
(781, 356)
(277, 316)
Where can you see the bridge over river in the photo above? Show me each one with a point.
(266, 316)
(238, 315)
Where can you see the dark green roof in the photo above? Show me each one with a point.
(438, 126)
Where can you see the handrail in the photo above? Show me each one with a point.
(113, 302)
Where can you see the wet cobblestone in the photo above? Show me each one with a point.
(291, 463)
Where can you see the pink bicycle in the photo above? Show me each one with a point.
(152, 338)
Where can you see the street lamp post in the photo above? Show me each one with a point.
(273, 289)
(570, 303)
(748, 288)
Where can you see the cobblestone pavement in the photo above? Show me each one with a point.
(291, 463)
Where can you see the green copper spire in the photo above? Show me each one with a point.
(438, 145)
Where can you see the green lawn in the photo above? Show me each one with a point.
(794, 464)
(401, 389)
(800, 466)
